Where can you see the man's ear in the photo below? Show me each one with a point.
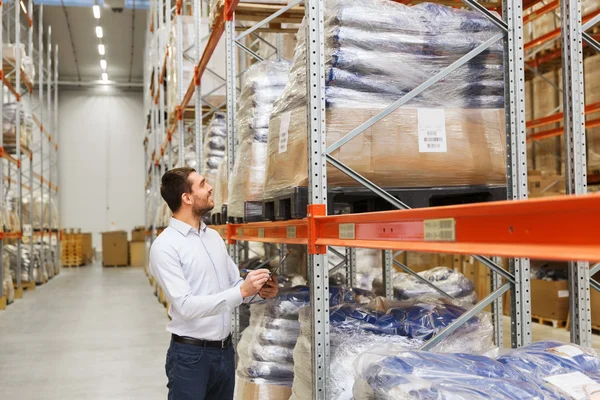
(186, 198)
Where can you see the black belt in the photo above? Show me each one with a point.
(222, 344)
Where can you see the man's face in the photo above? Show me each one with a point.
(201, 195)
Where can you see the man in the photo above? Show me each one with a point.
(203, 286)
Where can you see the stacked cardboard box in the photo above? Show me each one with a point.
(115, 249)
(137, 247)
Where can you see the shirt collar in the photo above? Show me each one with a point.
(184, 228)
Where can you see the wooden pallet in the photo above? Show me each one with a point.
(28, 285)
(596, 330)
(3, 303)
(549, 321)
(18, 292)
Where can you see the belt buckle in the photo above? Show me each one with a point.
(223, 343)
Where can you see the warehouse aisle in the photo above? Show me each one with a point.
(90, 333)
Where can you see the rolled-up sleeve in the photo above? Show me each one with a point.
(166, 269)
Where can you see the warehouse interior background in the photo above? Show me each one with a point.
(91, 325)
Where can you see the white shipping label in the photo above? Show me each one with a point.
(284, 128)
(439, 230)
(432, 130)
(566, 351)
(575, 384)
(27, 230)
(563, 293)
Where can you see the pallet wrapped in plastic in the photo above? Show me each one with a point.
(267, 345)
(188, 61)
(451, 282)
(377, 51)
(9, 123)
(10, 55)
(11, 250)
(214, 147)
(221, 189)
(548, 370)
(389, 372)
(356, 328)
(264, 83)
(8, 289)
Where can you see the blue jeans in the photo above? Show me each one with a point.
(200, 373)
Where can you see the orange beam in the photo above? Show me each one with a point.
(9, 85)
(4, 154)
(536, 62)
(11, 235)
(538, 13)
(557, 228)
(558, 117)
(559, 131)
(552, 228)
(555, 33)
(7, 179)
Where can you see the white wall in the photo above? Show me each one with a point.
(101, 160)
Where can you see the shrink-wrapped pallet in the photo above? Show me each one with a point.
(220, 191)
(8, 289)
(264, 83)
(376, 52)
(214, 147)
(356, 328)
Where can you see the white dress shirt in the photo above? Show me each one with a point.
(200, 280)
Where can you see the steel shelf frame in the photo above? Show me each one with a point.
(517, 228)
(44, 159)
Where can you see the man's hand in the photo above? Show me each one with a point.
(253, 282)
(270, 289)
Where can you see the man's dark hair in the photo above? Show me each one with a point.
(173, 184)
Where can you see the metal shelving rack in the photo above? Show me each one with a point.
(550, 228)
(40, 173)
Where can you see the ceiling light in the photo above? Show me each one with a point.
(96, 10)
(104, 77)
(23, 7)
(101, 49)
(99, 32)
(103, 64)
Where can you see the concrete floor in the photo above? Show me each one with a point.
(99, 333)
(90, 333)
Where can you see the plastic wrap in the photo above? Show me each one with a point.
(220, 191)
(452, 282)
(188, 61)
(544, 362)
(548, 370)
(264, 83)
(214, 147)
(355, 328)
(8, 289)
(391, 372)
(9, 54)
(267, 345)
(9, 122)
(377, 51)
(11, 251)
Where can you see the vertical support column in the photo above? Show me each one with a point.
(157, 155)
(575, 154)
(18, 136)
(57, 258)
(40, 77)
(162, 47)
(388, 273)
(317, 187)
(30, 51)
(496, 283)
(516, 154)
(282, 252)
(47, 156)
(231, 85)
(198, 92)
(180, 88)
(351, 266)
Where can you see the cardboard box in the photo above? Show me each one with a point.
(245, 390)
(138, 235)
(388, 152)
(115, 248)
(87, 252)
(595, 303)
(545, 184)
(550, 299)
(137, 254)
